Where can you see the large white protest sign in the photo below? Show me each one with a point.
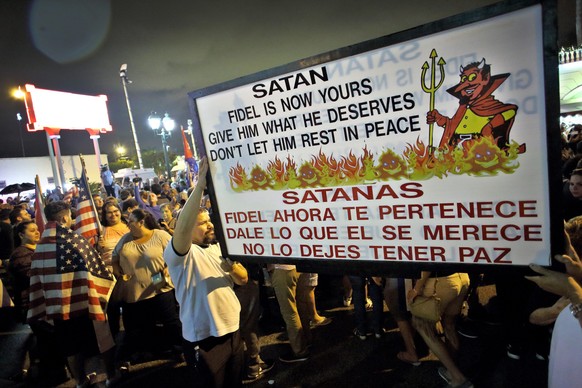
(427, 150)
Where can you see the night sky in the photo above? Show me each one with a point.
(173, 47)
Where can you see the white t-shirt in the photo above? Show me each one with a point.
(565, 352)
(208, 304)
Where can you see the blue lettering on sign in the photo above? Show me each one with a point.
(453, 65)
(523, 79)
(528, 106)
(520, 79)
(380, 82)
(375, 59)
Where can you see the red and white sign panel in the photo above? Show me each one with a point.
(54, 109)
(430, 150)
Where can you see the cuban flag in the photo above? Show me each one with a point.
(191, 165)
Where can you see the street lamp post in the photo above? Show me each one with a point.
(19, 119)
(163, 127)
(124, 82)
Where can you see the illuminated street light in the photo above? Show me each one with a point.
(120, 150)
(163, 127)
(125, 81)
(18, 93)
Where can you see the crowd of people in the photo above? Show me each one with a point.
(160, 285)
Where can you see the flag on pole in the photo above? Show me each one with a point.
(191, 165)
(39, 217)
(68, 277)
(87, 221)
(73, 192)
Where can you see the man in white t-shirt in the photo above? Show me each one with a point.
(209, 308)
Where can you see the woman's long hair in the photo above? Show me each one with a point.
(20, 228)
(148, 219)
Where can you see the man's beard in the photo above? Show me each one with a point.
(210, 238)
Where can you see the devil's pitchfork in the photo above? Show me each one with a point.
(432, 88)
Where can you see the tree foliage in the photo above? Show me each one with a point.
(151, 158)
(155, 159)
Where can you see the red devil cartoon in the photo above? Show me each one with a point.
(479, 113)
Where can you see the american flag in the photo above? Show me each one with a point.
(68, 278)
(73, 192)
(87, 222)
(39, 217)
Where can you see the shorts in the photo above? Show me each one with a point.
(307, 280)
(452, 291)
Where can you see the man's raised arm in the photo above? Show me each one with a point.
(186, 222)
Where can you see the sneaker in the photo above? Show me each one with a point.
(359, 334)
(292, 357)
(84, 384)
(325, 321)
(114, 380)
(369, 304)
(405, 357)
(19, 377)
(468, 330)
(466, 384)
(91, 377)
(513, 352)
(252, 378)
(266, 365)
(542, 351)
(347, 301)
(124, 367)
(445, 375)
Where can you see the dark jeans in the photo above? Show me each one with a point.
(216, 361)
(143, 321)
(359, 298)
(109, 190)
(518, 298)
(51, 363)
(114, 311)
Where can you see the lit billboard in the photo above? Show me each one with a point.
(62, 110)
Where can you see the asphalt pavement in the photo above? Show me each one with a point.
(338, 358)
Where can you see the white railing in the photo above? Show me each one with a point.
(569, 55)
